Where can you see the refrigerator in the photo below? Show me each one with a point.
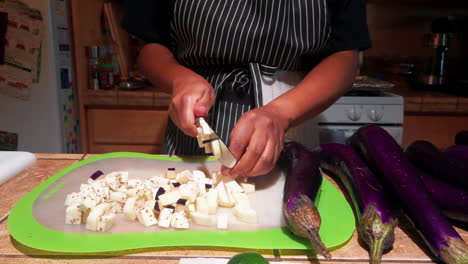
(47, 120)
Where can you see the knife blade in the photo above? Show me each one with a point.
(212, 142)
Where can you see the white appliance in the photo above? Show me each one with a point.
(46, 121)
(359, 108)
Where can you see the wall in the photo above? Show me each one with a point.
(37, 121)
(397, 33)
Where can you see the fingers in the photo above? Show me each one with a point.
(191, 100)
(257, 147)
(204, 103)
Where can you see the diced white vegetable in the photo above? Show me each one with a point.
(179, 220)
(96, 212)
(85, 188)
(170, 174)
(224, 198)
(188, 191)
(112, 180)
(73, 214)
(146, 216)
(184, 176)
(165, 217)
(200, 137)
(203, 219)
(118, 197)
(129, 208)
(201, 205)
(150, 203)
(212, 201)
(222, 221)
(132, 183)
(180, 206)
(198, 175)
(208, 149)
(122, 176)
(233, 187)
(249, 187)
(207, 133)
(86, 205)
(169, 198)
(191, 208)
(117, 207)
(216, 148)
(159, 181)
(105, 222)
(241, 199)
(219, 177)
(245, 214)
(73, 198)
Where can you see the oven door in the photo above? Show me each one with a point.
(336, 133)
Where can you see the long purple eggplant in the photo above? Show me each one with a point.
(461, 138)
(303, 181)
(458, 152)
(383, 154)
(427, 157)
(376, 222)
(452, 199)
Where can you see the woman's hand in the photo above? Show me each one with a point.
(257, 141)
(191, 97)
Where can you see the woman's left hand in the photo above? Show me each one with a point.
(257, 141)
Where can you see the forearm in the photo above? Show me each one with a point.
(322, 86)
(161, 67)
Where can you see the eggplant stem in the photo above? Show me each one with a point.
(317, 243)
(455, 253)
(304, 221)
(377, 235)
(376, 251)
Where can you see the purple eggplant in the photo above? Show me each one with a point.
(385, 156)
(376, 222)
(427, 157)
(451, 199)
(461, 138)
(458, 152)
(303, 181)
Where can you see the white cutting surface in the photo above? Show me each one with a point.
(14, 162)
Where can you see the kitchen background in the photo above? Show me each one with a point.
(116, 119)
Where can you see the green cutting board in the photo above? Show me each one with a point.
(37, 220)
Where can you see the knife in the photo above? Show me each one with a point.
(208, 139)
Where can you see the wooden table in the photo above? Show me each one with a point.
(407, 248)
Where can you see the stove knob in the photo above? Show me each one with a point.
(353, 113)
(375, 114)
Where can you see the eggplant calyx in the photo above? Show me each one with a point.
(304, 220)
(377, 235)
(455, 253)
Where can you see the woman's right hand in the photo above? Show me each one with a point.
(191, 97)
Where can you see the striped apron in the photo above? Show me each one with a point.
(234, 44)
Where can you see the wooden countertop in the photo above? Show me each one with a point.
(416, 101)
(407, 248)
(430, 102)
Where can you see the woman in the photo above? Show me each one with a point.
(254, 68)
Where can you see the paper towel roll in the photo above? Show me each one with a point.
(14, 162)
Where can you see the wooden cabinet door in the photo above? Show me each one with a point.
(439, 130)
(112, 130)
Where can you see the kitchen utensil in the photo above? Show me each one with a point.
(225, 156)
(38, 219)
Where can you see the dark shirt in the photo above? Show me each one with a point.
(149, 20)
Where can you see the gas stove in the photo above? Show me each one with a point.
(358, 108)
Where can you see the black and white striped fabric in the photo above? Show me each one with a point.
(232, 43)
